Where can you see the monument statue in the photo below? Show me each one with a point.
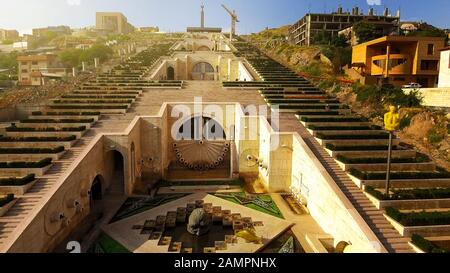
(198, 222)
(391, 119)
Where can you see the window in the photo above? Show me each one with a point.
(24, 63)
(24, 70)
(429, 65)
(34, 63)
(24, 79)
(430, 49)
(399, 79)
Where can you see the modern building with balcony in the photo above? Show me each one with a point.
(303, 31)
(398, 60)
(444, 71)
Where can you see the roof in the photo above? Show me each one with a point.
(393, 38)
(36, 57)
(445, 48)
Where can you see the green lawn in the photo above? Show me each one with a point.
(269, 208)
(106, 244)
(133, 206)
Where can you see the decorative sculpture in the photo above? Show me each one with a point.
(249, 235)
(199, 222)
(392, 119)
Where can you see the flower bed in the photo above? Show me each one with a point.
(318, 119)
(38, 113)
(14, 181)
(343, 128)
(347, 160)
(413, 194)
(57, 120)
(345, 148)
(426, 246)
(37, 139)
(89, 106)
(26, 165)
(422, 218)
(398, 175)
(350, 136)
(48, 129)
(7, 199)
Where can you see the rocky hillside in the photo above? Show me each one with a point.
(425, 129)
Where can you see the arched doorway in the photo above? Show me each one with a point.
(203, 71)
(201, 128)
(170, 73)
(117, 182)
(133, 163)
(96, 191)
(203, 48)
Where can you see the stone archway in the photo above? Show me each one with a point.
(203, 48)
(96, 190)
(203, 71)
(116, 185)
(170, 73)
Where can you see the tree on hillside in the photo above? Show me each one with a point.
(366, 31)
(74, 57)
(43, 40)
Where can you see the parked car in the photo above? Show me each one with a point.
(412, 85)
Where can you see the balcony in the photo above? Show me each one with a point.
(399, 64)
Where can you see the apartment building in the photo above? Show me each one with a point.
(444, 70)
(399, 60)
(60, 30)
(34, 70)
(303, 31)
(6, 34)
(113, 22)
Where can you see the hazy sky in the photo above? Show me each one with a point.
(176, 15)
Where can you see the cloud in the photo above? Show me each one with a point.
(73, 2)
(374, 2)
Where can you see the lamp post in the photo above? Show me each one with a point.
(388, 171)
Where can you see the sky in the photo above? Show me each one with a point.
(176, 15)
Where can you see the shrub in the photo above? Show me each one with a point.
(398, 175)
(333, 137)
(57, 121)
(26, 165)
(411, 194)
(32, 150)
(37, 139)
(422, 218)
(48, 129)
(343, 148)
(435, 136)
(426, 245)
(5, 200)
(17, 181)
(372, 160)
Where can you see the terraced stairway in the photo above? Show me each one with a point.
(324, 123)
(60, 133)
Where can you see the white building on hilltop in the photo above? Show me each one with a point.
(444, 71)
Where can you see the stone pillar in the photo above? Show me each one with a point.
(74, 72)
(83, 65)
(96, 62)
(387, 66)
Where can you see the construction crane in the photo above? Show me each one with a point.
(234, 20)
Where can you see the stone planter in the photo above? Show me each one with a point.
(17, 190)
(5, 208)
